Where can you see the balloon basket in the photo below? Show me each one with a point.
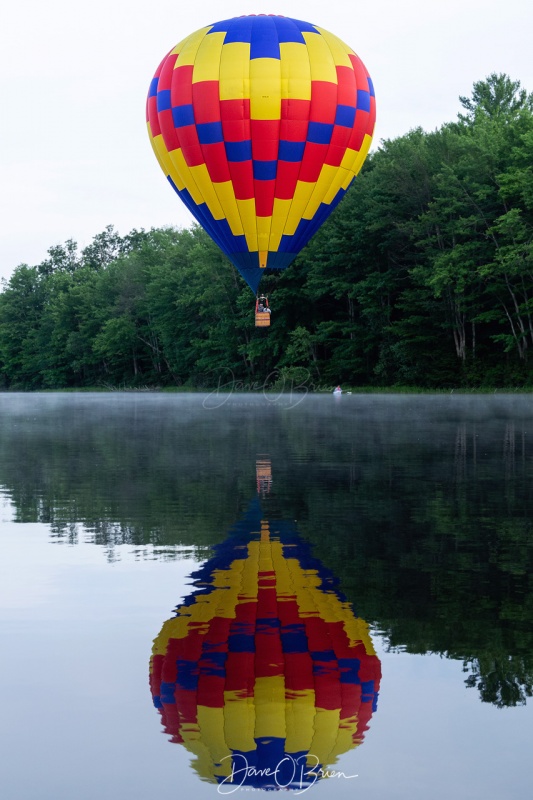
(262, 319)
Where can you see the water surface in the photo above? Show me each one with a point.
(190, 583)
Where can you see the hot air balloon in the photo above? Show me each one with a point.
(260, 124)
(264, 673)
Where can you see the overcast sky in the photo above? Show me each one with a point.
(74, 152)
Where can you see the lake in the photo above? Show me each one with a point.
(210, 594)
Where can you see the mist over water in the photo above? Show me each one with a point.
(419, 508)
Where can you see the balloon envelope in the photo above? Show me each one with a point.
(260, 124)
(265, 673)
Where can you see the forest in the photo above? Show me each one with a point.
(422, 277)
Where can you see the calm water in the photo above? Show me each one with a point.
(324, 594)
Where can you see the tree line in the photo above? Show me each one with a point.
(423, 276)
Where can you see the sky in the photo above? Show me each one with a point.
(74, 151)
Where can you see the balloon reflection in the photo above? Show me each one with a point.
(264, 673)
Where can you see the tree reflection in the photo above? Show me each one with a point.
(503, 681)
(422, 507)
